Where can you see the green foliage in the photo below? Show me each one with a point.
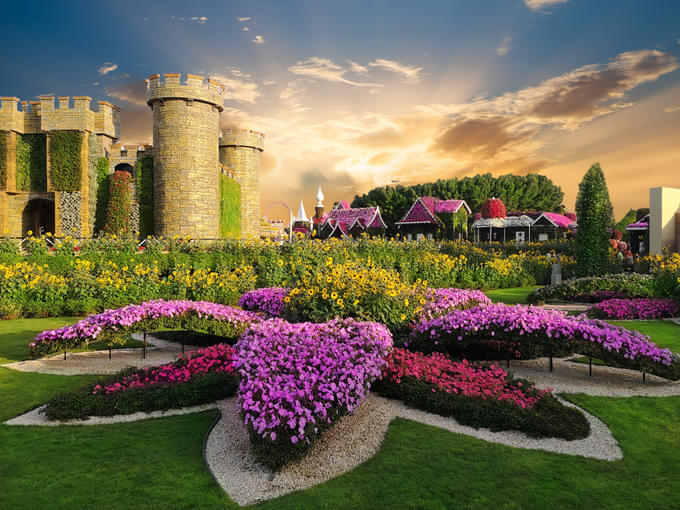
(103, 184)
(31, 162)
(549, 418)
(530, 192)
(595, 221)
(230, 208)
(144, 173)
(623, 222)
(4, 135)
(120, 202)
(588, 289)
(65, 160)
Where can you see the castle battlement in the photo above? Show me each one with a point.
(42, 115)
(242, 138)
(193, 88)
(122, 153)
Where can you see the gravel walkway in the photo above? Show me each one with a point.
(158, 352)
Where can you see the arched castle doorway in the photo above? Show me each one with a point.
(38, 217)
(125, 167)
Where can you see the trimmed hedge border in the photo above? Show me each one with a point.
(65, 160)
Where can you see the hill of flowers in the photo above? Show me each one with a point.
(213, 318)
(543, 331)
(641, 309)
(298, 379)
(269, 300)
(478, 395)
(198, 377)
(597, 288)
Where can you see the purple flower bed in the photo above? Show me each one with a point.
(269, 300)
(545, 330)
(442, 301)
(298, 379)
(221, 320)
(642, 308)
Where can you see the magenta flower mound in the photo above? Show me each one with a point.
(459, 378)
(535, 325)
(641, 308)
(296, 379)
(148, 316)
(442, 301)
(216, 358)
(269, 300)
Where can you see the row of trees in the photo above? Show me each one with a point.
(531, 192)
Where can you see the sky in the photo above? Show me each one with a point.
(357, 94)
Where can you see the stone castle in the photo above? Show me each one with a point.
(48, 180)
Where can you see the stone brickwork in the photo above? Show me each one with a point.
(240, 153)
(69, 212)
(185, 155)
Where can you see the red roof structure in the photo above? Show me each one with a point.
(427, 209)
(344, 219)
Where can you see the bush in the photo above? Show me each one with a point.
(119, 205)
(145, 195)
(31, 168)
(65, 160)
(640, 309)
(596, 288)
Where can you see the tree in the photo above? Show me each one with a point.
(595, 221)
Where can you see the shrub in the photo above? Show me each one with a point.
(493, 208)
(119, 205)
(144, 173)
(597, 288)
(641, 309)
(198, 377)
(477, 395)
(269, 301)
(31, 163)
(65, 160)
(298, 379)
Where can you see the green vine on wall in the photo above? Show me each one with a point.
(65, 160)
(120, 202)
(3, 158)
(102, 176)
(230, 208)
(144, 171)
(31, 163)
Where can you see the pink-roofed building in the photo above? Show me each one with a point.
(434, 218)
(345, 221)
(521, 227)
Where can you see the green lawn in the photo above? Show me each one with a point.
(663, 333)
(158, 463)
(513, 296)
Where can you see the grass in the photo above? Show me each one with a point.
(158, 463)
(663, 333)
(513, 296)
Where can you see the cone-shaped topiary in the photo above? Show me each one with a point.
(595, 221)
(493, 208)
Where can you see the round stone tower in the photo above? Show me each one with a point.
(240, 153)
(185, 154)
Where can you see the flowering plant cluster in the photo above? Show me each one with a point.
(629, 285)
(217, 319)
(269, 300)
(459, 378)
(643, 309)
(442, 301)
(297, 379)
(216, 358)
(547, 330)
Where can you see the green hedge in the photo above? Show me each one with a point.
(4, 135)
(144, 172)
(65, 160)
(31, 163)
(120, 203)
(230, 208)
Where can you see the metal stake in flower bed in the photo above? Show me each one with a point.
(144, 348)
(590, 366)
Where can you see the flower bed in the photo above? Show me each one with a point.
(442, 301)
(198, 377)
(477, 395)
(642, 309)
(269, 300)
(298, 379)
(545, 331)
(212, 318)
(629, 285)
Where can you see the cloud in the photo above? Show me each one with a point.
(131, 91)
(198, 19)
(409, 73)
(258, 39)
(356, 68)
(245, 29)
(324, 69)
(106, 68)
(536, 5)
(672, 109)
(504, 46)
(238, 89)
(243, 20)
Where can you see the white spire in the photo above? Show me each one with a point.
(319, 197)
(301, 215)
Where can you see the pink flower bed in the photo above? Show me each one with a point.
(459, 378)
(641, 308)
(216, 358)
(442, 301)
(268, 300)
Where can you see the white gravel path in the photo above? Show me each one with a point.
(158, 352)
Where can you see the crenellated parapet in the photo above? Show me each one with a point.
(193, 88)
(242, 138)
(67, 113)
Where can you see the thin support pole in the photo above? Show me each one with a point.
(507, 355)
(144, 348)
(643, 376)
(182, 346)
(109, 351)
(590, 366)
(64, 354)
(550, 358)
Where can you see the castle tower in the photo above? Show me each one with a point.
(185, 154)
(240, 153)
